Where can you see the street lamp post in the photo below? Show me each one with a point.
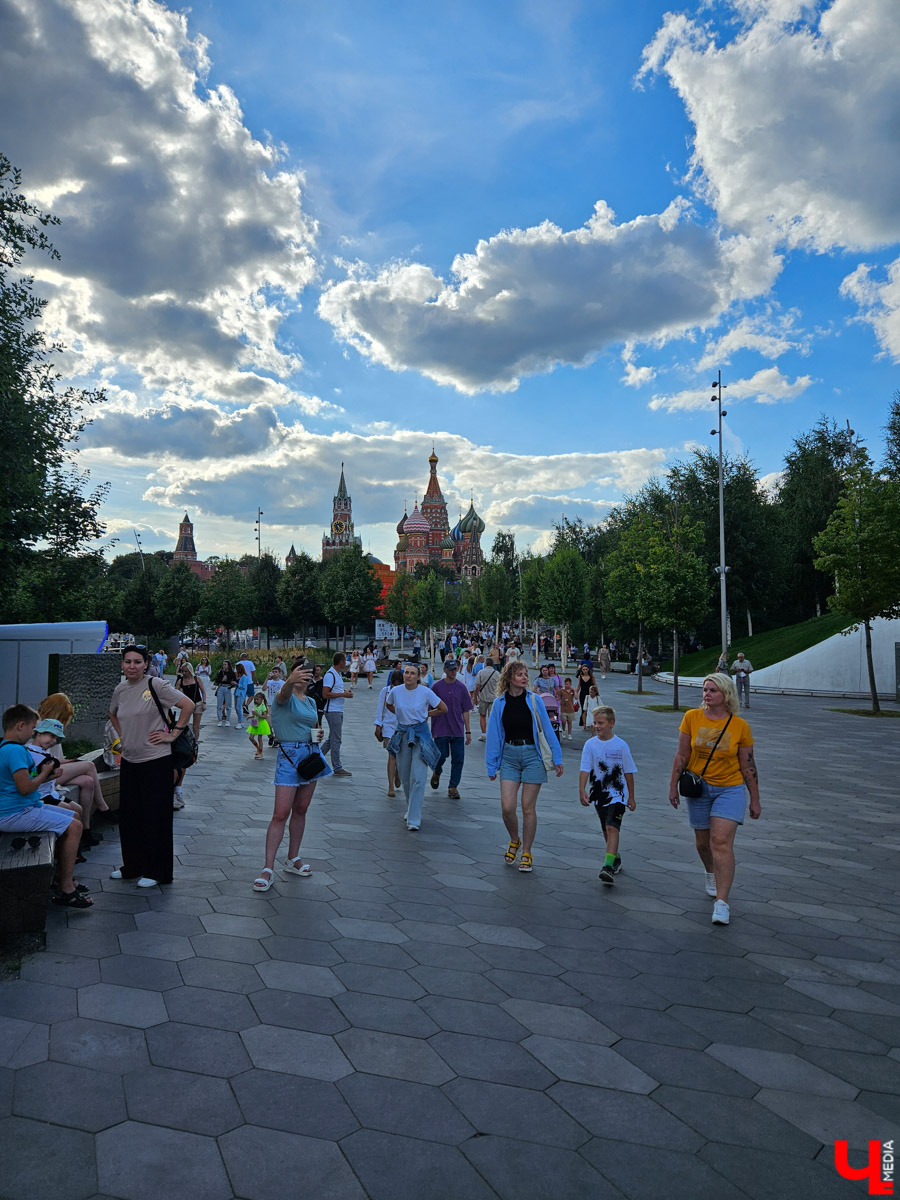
(137, 542)
(257, 528)
(721, 569)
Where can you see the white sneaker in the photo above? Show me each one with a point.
(177, 803)
(721, 913)
(145, 881)
(482, 738)
(221, 723)
(116, 874)
(239, 725)
(710, 884)
(227, 724)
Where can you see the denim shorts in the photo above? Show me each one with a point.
(522, 764)
(285, 771)
(728, 802)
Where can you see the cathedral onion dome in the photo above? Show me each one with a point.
(471, 522)
(401, 522)
(456, 534)
(416, 523)
(403, 543)
(447, 543)
(432, 457)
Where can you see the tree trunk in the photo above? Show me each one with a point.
(749, 624)
(563, 649)
(675, 704)
(876, 707)
(640, 665)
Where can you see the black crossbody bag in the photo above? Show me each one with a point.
(690, 785)
(184, 748)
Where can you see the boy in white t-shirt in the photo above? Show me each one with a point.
(606, 780)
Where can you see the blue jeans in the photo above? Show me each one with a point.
(413, 773)
(453, 748)
(223, 702)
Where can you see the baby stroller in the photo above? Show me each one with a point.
(552, 705)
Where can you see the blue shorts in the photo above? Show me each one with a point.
(38, 818)
(286, 771)
(728, 802)
(522, 764)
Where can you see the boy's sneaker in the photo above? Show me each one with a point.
(221, 723)
(239, 725)
(721, 913)
(617, 865)
(710, 884)
(606, 875)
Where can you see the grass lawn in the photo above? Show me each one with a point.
(665, 708)
(867, 712)
(765, 649)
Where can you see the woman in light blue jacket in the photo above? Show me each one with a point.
(517, 727)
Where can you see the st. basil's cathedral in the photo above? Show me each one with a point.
(425, 536)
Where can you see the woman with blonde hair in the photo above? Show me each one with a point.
(713, 765)
(517, 727)
(75, 771)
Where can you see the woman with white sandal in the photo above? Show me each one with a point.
(293, 718)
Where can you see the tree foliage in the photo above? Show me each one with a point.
(41, 495)
(263, 579)
(299, 597)
(226, 603)
(349, 588)
(176, 599)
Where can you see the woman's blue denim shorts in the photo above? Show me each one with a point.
(285, 771)
(727, 802)
(522, 764)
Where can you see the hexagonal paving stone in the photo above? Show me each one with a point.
(312, 1107)
(211, 1008)
(190, 1048)
(144, 1162)
(300, 977)
(394, 1055)
(68, 1095)
(121, 1005)
(295, 1052)
(45, 1162)
(99, 1045)
(261, 1164)
(181, 1100)
(156, 945)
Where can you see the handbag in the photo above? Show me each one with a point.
(184, 748)
(690, 785)
(311, 766)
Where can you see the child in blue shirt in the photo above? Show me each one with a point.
(21, 810)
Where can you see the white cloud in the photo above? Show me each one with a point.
(767, 386)
(879, 303)
(527, 300)
(182, 234)
(769, 334)
(635, 376)
(795, 118)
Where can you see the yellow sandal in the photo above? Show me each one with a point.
(512, 850)
(525, 863)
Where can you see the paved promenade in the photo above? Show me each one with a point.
(417, 1021)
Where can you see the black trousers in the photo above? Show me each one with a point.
(146, 792)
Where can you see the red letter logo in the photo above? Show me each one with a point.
(872, 1171)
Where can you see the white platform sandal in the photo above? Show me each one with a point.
(296, 866)
(265, 880)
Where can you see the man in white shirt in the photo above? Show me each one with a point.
(741, 669)
(334, 694)
(486, 693)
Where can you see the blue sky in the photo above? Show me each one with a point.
(301, 234)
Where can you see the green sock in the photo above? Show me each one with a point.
(610, 859)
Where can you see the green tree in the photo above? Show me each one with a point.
(628, 582)
(531, 574)
(563, 591)
(177, 599)
(503, 550)
(859, 549)
(427, 607)
(591, 541)
(397, 603)
(41, 496)
(810, 488)
(445, 571)
(497, 594)
(891, 465)
(349, 588)
(263, 579)
(299, 598)
(226, 600)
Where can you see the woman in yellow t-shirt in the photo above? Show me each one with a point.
(715, 742)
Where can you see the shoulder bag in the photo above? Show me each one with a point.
(690, 785)
(184, 748)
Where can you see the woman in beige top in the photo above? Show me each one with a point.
(147, 780)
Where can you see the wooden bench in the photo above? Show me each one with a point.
(25, 878)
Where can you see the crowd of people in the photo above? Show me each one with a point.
(423, 725)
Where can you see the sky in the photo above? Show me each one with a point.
(296, 235)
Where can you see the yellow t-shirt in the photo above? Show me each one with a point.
(724, 769)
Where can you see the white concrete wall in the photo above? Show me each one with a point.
(838, 664)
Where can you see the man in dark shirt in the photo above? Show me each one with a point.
(450, 730)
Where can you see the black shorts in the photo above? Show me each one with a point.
(610, 815)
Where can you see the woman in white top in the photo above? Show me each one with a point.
(385, 727)
(369, 666)
(354, 668)
(412, 703)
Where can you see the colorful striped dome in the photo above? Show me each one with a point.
(416, 523)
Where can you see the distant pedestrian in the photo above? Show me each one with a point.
(632, 656)
(334, 694)
(225, 683)
(451, 730)
(741, 669)
(257, 723)
(485, 693)
(242, 689)
(385, 727)
(369, 665)
(604, 661)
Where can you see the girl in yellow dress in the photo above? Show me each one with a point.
(258, 727)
